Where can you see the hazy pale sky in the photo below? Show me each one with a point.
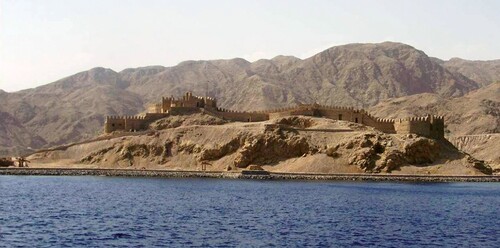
(43, 41)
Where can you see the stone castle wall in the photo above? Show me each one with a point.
(283, 112)
(126, 123)
(155, 108)
(384, 125)
(429, 126)
(187, 101)
(240, 116)
(130, 123)
(337, 113)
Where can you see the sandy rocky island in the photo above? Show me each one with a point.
(296, 144)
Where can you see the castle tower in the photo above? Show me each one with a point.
(188, 96)
(166, 103)
(437, 126)
(210, 103)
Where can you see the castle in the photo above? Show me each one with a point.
(429, 126)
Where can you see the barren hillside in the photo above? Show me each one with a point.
(481, 146)
(353, 75)
(73, 108)
(483, 72)
(15, 138)
(359, 75)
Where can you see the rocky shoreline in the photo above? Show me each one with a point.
(238, 175)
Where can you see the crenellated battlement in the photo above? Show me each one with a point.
(422, 119)
(384, 120)
(429, 126)
(132, 117)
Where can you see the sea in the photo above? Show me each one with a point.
(72, 211)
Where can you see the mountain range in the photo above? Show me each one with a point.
(391, 79)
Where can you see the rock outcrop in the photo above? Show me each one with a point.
(270, 148)
(483, 147)
(6, 162)
(195, 118)
(292, 144)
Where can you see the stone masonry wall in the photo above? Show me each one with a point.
(130, 123)
(429, 126)
(240, 116)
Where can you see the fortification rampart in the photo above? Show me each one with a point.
(186, 101)
(297, 110)
(384, 125)
(336, 113)
(130, 123)
(115, 123)
(242, 116)
(429, 126)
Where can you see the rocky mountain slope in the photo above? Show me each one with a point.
(291, 144)
(482, 72)
(73, 108)
(354, 75)
(14, 137)
(482, 146)
(360, 75)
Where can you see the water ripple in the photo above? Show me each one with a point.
(137, 212)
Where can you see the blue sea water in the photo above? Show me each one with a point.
(40, 211)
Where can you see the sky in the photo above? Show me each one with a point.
(43, 41)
